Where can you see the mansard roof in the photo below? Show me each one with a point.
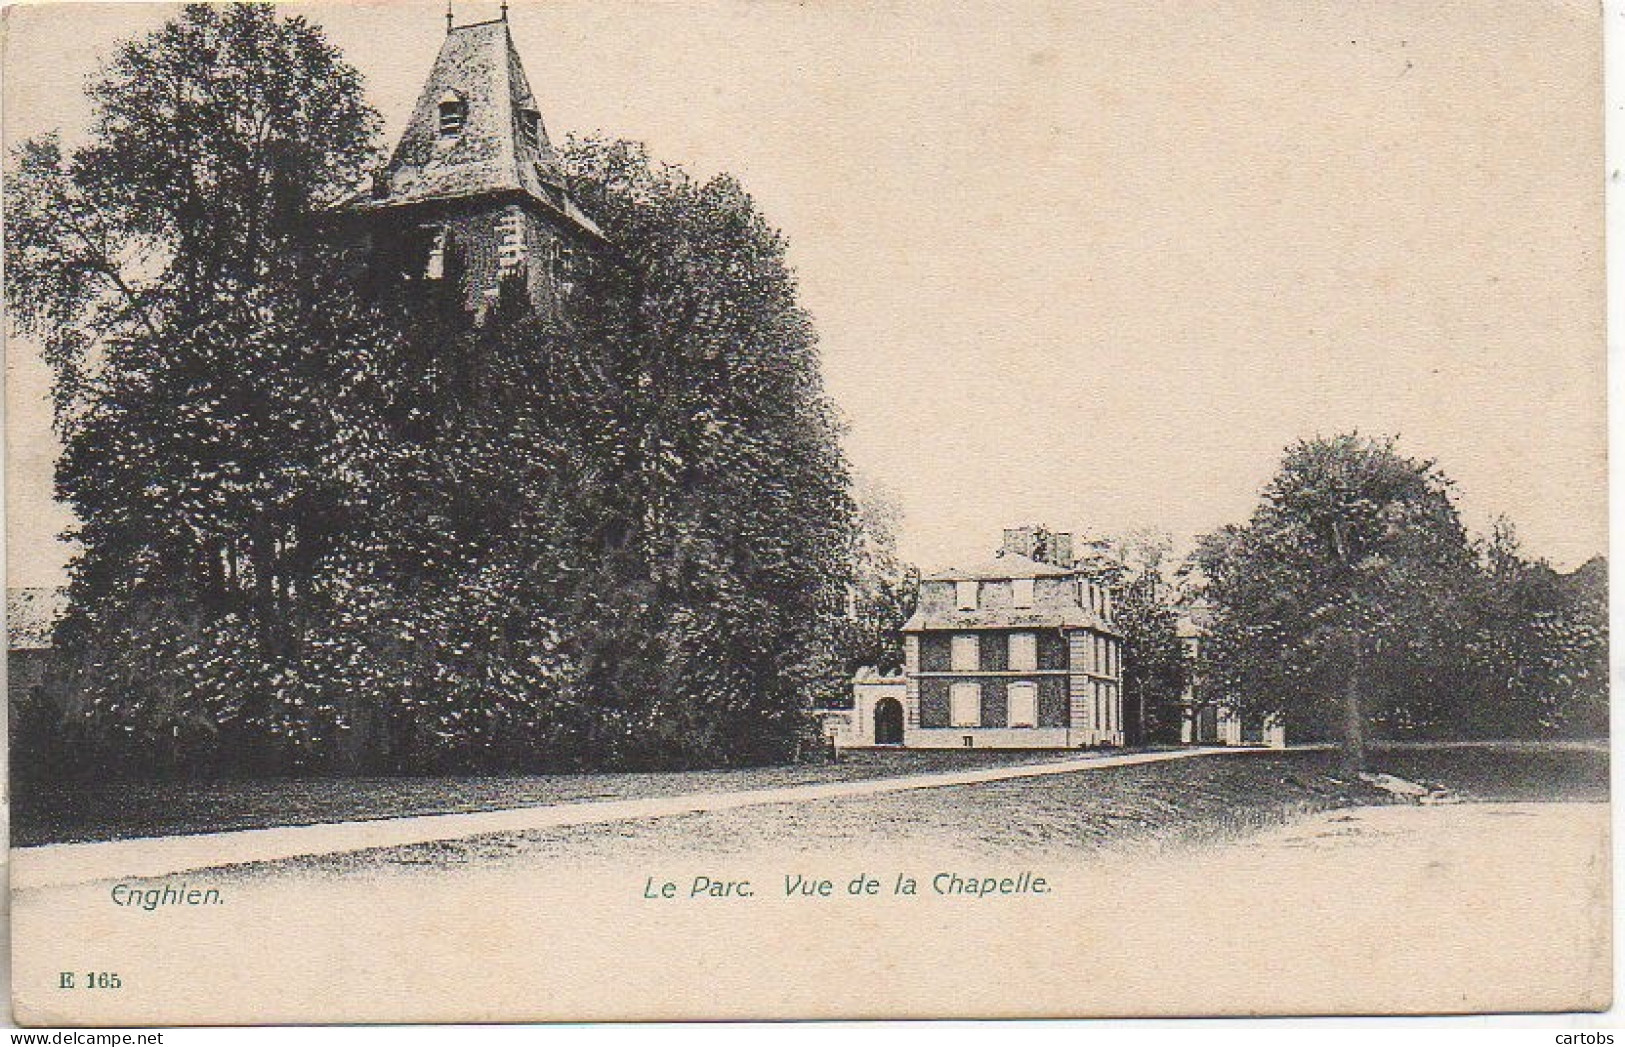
(490, 154)
(1068, 616)
(1005, 565)
(1054, 607)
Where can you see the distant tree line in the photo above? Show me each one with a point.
(1145, 607)
(1354, 603)
(331, 524)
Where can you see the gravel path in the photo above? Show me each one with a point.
(75, 863)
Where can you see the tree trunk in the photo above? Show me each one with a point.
(262, 554)
(1354, 713)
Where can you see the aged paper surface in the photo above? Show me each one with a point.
(1095, 265)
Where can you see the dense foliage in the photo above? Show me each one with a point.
(738, 527)
(1538, 649)
(1133, 568)
(330, 523)
(210, 395)
(1354, 599)
(885, 591)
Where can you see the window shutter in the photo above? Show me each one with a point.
(965, 705)
(1023, 705)
(1023, 652)
(966, 654)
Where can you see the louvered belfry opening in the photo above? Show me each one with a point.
(475, 164)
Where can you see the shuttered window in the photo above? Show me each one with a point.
(965, 705)
(1023, 652)
(966, 655)
(1023, 699)
(1021, 592)
(966, 594)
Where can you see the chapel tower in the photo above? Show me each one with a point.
(475, 175)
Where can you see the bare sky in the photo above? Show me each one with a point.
(1086, 264)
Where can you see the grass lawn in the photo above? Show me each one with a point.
(1176, 803)
(1502, 773)
(71, 813)
(1182, 799)
(1157, 804)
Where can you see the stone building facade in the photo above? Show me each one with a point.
(474, 184)
(1012, 653)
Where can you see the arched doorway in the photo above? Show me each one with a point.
(888, 722)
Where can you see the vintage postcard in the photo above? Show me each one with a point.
(841, 509)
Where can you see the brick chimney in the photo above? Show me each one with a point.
(1019, 541)
(1038, 543)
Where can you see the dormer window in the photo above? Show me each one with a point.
(453, 113)
(530, 127)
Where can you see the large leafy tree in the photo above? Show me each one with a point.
(214, 139)
(333, 522)
(619, 536)
(212, 388)
(446, 646)
(735, 523)
(1345, 598)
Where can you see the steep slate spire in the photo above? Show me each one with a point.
(499, 144)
